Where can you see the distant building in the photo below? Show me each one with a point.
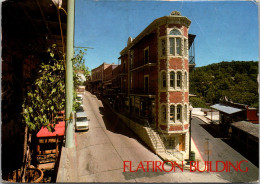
(107, 81)
(230, 112)
(97, 77)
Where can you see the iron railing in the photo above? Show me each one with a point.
(144, 91)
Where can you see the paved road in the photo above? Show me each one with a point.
(220, 151)
(102, 150)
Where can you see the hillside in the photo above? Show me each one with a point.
(237, 80)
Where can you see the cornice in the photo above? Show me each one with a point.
(156, 23)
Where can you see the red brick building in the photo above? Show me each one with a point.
(157, 80)
(107, 81)
(97, 77)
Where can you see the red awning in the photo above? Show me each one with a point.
(59, 131)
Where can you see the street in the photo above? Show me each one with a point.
(102, 150)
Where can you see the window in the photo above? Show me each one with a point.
(172, 46)
(172, 112)
(175, 42)
(146, 55)
(178, 46)
(185, 112)
(163, 80)
(179, 79)
(163, 113)
(163, 45)
(171, 143)
(185, 48)
(172, 76)
(175, 32)
(179, 112)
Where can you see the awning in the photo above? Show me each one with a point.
(226, 109)
(59, 131)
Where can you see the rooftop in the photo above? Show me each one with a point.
(252, 129)
(226, 109)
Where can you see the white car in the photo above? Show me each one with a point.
(79, 98)
(82, 122)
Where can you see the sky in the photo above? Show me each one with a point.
(225, 30)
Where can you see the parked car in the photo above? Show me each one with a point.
(79, 108)
(82, 122)
(79, 98)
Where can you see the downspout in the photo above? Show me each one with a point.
(69, 142)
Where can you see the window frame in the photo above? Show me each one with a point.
(164, 80)
(163, 113)
(175, 42)
(179, 114)
(179, 80)
(172, 113)
(172, 79)
(146, 60)
(163, 47)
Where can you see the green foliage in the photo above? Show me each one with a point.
(46, 97)
(78, 65)
(237, 80)
(198, 102)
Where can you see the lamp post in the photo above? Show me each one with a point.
(190, 108)
(69, 143)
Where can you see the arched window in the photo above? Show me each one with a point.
(175, 42)
(179, 79)
(179, 113)
(172, 78)
(163, 113)
(175, 32)
(172, 113)
(163, 79)
(185, 80)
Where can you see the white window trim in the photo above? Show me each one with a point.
(160, 114)
(181, 82)
(161, 80)
(175, 43)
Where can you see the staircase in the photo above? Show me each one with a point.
(159, 148)
(156, 141)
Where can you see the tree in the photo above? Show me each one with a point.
(45, 99)
(237, 80)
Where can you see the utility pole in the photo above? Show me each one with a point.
(69, 143)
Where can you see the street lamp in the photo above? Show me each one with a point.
(190, 108)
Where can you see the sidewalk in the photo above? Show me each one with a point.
(203, 118)
(68, 168)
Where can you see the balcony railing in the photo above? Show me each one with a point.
(144, 91)
(191, 60)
